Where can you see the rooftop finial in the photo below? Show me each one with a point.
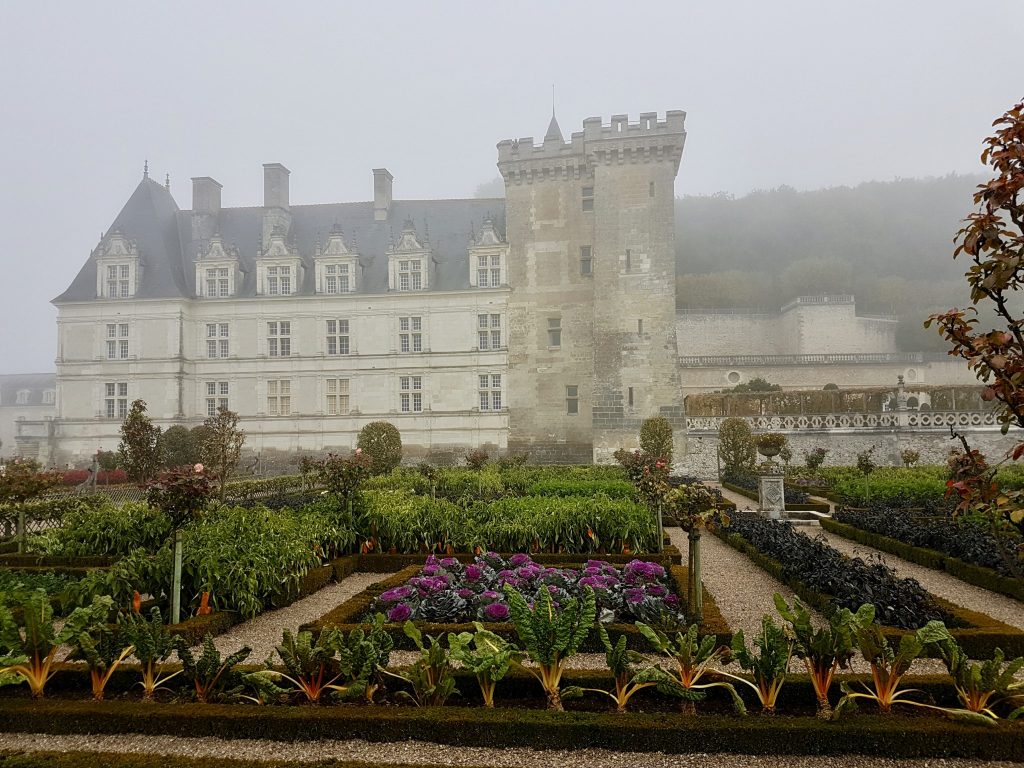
(145, 169)
(554, 133)
(167, 182)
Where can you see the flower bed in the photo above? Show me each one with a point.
(448, 591)
(816, 572)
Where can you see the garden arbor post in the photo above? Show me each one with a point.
(21, 529)
(176, 582)
(694, 582)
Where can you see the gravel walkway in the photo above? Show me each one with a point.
(263, 634)
(416, 753)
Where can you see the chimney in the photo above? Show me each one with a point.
(205, 195)
(382, 179)
(275, 185)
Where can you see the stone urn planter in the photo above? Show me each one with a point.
(771, 483)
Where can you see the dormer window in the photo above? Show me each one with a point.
(22, 398)
(410, 275)
(336, 278)
(279, 281)
(49, 396)
(218, 283)
(409, 262)
(119, 281)
(337, 268)
(217, 270)
(117, 267)
(279, 267)
(487, 258)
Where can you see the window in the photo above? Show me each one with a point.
(117, 341)
(650, 189)
(119, 281)
(482, 275)
(337, 337)
(217, 344)
(217, 282)
(336, 278)
(22, 397)
(279, 397)
(572, 399)
(489, 331)
(279, 281)
(629, 397)
(116, 399)
(488, 271)
(279, 342)
(337, 397)
(410, 275)
(410, 393)
(640, 327)
(410, 334)
(49, 397)
(588, 199)
(629, 260)
(490, 391)
(554, 331)
(216, 397)
(586, 261)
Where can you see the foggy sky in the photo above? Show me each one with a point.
(808, 94)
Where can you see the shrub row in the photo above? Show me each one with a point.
(979, 576)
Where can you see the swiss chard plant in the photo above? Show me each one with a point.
(311, 666)
(36, 643)
(982, 687)
(212, 678)
(693, 658)
(486, 655)
(431, 676)
(551, 635)
(630, 678)
(103, 650)
(154, 644)
(767, 661)
(824, 650)
(362, 656)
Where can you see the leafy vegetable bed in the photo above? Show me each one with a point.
(827, 580)
(892, 735)
(979, 576)
(963, 539)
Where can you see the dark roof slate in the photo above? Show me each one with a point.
(34, 383)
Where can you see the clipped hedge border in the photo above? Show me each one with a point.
(890, 736)
(790, 506)
(387, 562)
(349, 615)
(83, 759)
(986, 578)
(979, 638)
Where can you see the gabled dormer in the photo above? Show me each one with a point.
(409, 261)
(117, 267)
(488, 258)
(337, 268)
(278, 266)
(217, 270)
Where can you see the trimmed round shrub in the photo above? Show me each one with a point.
(656, 438)
(381, 441)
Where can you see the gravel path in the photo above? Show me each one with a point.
(263, 634)
(940, 583)
(416, 753)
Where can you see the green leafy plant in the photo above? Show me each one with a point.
(815, 457)
(909, 457)
(888, 665)
(311, 665)
(656, 438)
(431, 676)
(211, 677)
(221, 446)
(361, 657)
(629, 679)
(40, 641)
(736, 444)
(824, 650)
(489, 659)
(770, 444)
(381, 441)
(263, 685)
(550, 635)
(180, 493)
(153, 644)
(982, 687)
(767, 661)
(139, 451)
(693, 658)
(102, 649)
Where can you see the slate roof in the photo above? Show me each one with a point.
(166, 250)
(35, 383)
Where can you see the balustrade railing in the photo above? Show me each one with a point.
(719, 361)
(854, 421)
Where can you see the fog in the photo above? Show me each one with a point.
(804, 94)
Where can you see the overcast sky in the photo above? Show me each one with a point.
(808, 94)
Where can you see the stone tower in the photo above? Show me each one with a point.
(592, 345)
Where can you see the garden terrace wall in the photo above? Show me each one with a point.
(979, 634)
(890, 736)
(985, 578)
(351, 615)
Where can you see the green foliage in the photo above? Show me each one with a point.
(430, 676)
(551, 636)
(139, 450)
(328, 523)
(866, 462)
(489, 658)
(181, 493)
(342, 476)
(464, 486)
(136, 571)
(893, 486)
(630, 679)
(656, 438)
(615, 489)
(381, 441)
(736, 445)
(106, 460)
(102, 649)
(109, 529)
(211, 677)
(22, 479)
(477, 459)
(361, 657)
(767, 661)
(179, 446)
(982, 687)
(153, 644)
(757, 384)
(909, 457)
(815, 457)
(221, 446)
(310, 665)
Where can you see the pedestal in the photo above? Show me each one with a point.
(771, 495)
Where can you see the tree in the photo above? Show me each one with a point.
(757, 384)
(993, 238)
(179, 447)
(222, 446)
(22, 479)
(139, 451)
(382, 442)
(106, 460)
(736, 445)
(656, 438)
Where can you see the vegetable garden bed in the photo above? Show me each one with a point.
(986, 578)
(977, 633)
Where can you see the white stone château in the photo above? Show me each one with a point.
(544, 321)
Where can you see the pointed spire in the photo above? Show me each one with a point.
(145, 169)
(554, 132)
(167, 182)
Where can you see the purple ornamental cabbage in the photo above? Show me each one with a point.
(474, 572)
(519, 559)
(396, 594)
(399, 612)
(495, 612)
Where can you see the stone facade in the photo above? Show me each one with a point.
(27, 408)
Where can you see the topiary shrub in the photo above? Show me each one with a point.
(381, 441)
(656, 438)
(736, 445)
